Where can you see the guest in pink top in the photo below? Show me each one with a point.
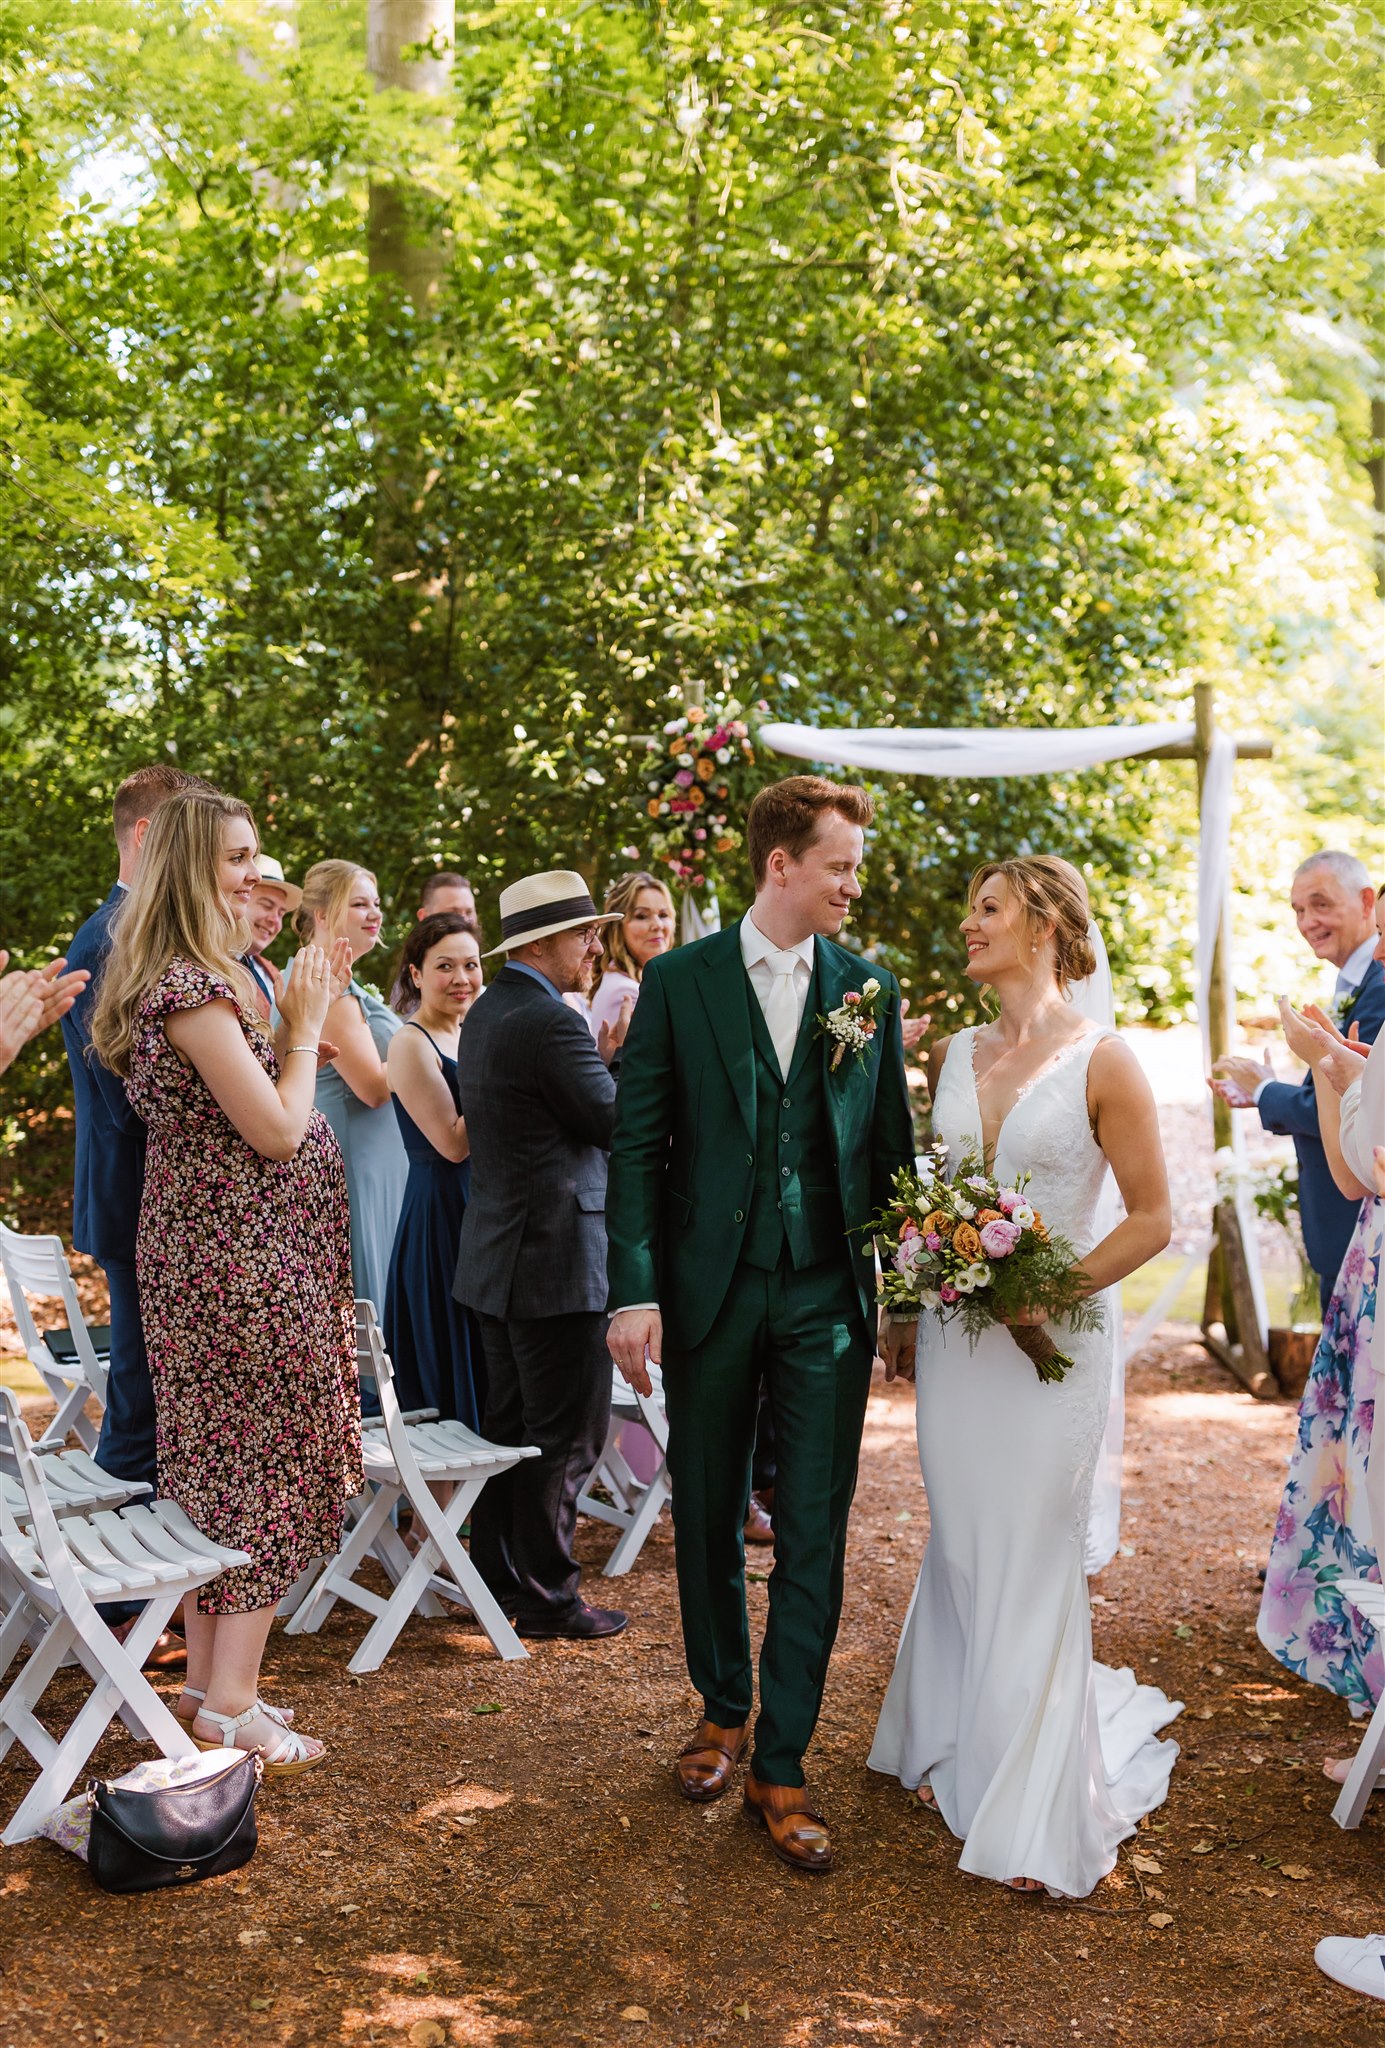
(645, 928)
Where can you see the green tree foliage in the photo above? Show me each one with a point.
(930, 364)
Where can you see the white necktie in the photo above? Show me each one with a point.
(781, 1006)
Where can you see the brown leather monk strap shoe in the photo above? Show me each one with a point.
(797, 1834)
(704, 1768)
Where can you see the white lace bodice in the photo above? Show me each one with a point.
(1048, 1132)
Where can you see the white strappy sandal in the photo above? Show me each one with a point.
(282, 1715)
(283, 1756)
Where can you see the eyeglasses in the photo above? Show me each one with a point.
(587, 932)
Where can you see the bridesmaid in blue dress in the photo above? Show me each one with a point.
(429, 1335)
(340, 900)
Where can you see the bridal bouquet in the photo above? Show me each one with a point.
(974, 1251)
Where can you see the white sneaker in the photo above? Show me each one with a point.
(1358, 1961)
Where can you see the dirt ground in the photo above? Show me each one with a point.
(496, 1854)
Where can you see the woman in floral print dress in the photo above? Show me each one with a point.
(244, 1253)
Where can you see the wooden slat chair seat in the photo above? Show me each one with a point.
(71, 1361)
(1369, 1601)
(62, 1569)
(401, 1459)
(634, 1505)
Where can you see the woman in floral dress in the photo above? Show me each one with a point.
(1324, 1531)
(244, 1254)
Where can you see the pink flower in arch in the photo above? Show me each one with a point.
(948, 1293)
(998, 1240)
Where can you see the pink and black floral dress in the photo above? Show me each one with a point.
(244, 1268)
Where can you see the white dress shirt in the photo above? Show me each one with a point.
(762, 958)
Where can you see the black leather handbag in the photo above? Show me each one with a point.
(143, 1841)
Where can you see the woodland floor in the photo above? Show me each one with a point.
(496, 1854)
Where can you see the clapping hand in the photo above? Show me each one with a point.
(1315, 1039)
(912, 1028)
(1237, 1079)
(304, 999)
(341, 962)
(610, 1037)
(31, 999)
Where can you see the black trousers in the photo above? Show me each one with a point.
(548, 1383)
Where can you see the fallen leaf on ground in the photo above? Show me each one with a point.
(1150, 1865)
(489, 1707)
(1202, 1848)
(249, 1936)
(1161, 1919)
(1183, 1632)
(634, 2012)
(428, 2034)
(1297, 1871)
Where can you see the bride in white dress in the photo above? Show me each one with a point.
(1039, 1760)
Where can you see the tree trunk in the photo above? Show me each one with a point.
(409, 45)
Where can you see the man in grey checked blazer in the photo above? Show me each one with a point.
(539, 1101)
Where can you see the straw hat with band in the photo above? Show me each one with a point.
(272, 877)
(542, 905)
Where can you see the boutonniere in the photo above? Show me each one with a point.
(1340, 1007)
(851, 1026)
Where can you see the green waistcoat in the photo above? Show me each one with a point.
(795, 1194)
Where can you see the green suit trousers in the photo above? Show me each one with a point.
(803, 1333)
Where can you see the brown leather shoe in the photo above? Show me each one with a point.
(758, 1526)
(797, 1834)
(704, 1768)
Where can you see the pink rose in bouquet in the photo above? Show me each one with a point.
(998, 1240)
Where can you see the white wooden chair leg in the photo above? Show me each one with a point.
(645, 1516)
(366, 1520)
(1364, 1773)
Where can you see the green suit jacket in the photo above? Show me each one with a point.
(683, 1163)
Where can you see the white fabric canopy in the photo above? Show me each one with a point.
(965, 752)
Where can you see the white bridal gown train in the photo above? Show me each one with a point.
(1041, 1760)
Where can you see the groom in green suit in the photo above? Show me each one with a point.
(750, 1148)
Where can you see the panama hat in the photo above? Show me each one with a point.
(272, 877)
(541, 905)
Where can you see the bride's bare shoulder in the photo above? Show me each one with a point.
(1113, 1071)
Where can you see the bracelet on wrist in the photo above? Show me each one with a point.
(301, 1048)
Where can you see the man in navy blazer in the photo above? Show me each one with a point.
(108, 1181)
(1334, 903)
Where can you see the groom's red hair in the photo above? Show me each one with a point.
(786, 814)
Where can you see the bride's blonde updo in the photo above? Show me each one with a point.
(1048, 891)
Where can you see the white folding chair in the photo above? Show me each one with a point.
(635, 1505)
(150, 1554)
(403, 1462)
(71, 1361)
(73, 1481)
(1369, 1601)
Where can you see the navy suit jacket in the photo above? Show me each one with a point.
(108, 1181)
(1328, 1217)
(539, 1103)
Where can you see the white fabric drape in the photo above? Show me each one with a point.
(964, 753)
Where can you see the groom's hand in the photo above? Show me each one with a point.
(896, 1345)
(634, 1332)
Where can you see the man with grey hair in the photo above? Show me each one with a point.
(1334, 904)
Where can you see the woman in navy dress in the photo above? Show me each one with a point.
(429, 1335)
